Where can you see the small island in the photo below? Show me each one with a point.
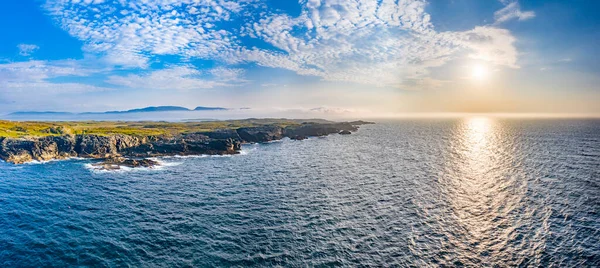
(130, 144)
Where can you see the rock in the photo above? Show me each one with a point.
(345, 132)
(116, 162)
(223, 134)
(298, 138)
(260, 134)
(96, 146)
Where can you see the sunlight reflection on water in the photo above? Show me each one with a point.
(485, 192)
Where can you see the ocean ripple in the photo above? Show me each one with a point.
(454, 192)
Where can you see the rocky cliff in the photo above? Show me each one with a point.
(218, 142)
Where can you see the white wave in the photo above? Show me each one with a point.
(162, 163)
(100, 169)
(200, 156)
(246, 151)
(40, 162)
(184, 156)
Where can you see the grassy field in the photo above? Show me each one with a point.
(15, 129)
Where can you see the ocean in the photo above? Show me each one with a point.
(475, 192)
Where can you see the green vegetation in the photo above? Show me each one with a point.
(16, 129)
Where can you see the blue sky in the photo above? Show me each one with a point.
(326, 56)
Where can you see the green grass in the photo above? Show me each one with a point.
(14, 129)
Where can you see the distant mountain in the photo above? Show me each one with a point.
(201, 108)
(152, 109)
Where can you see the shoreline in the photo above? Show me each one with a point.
(135, 150)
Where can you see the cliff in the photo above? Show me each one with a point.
(20, 150)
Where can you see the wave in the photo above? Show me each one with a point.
(162, 165)
(99, 169)
(194, 156)
(41, 162)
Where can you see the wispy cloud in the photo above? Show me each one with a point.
(27, 49)
(180, 78)
(32, 77)
(511, 11)
(127, 33)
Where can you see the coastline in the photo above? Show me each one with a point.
(134, 150)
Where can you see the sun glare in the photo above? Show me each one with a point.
(479, 72)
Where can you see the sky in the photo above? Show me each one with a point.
(342, 57)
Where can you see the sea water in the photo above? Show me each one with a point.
(430, 192)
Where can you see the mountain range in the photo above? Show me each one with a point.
(139, 110)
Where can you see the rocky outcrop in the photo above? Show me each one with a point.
(223, 134)
(191, 144)
(260, 134)
(42, 149)
(311, 129)
(96, 146)
(219, 142)
(116, 163)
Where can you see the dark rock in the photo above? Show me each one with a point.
(23, 150)
(116, 162)
(16, 151)
(298, 138)
(345, 132)
(96, 146)
(260, 134)
(223, 134)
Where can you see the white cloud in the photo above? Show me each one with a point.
(31, 77)
(511, 11)
(379, 43)
(383, 43)
(181, 78)
(493, 45)
(38, 70)
(126, 32)
(27, 49)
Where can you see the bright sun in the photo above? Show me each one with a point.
(480, 72)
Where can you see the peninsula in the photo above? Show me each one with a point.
(131, 143)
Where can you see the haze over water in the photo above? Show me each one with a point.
(431, 192)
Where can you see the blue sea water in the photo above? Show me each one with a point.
(430, 192)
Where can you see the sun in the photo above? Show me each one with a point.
(480, 72)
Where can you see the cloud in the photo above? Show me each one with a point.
(511, 11)
(127, 33)
(333, 110)
(39, 70)
(32, 77)
(382, 43)
(27, 49)
(491, 44)
(378, 43)
(181, 78)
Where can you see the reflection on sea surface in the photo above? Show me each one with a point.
(485, 187)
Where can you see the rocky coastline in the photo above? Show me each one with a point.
(115, 150)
